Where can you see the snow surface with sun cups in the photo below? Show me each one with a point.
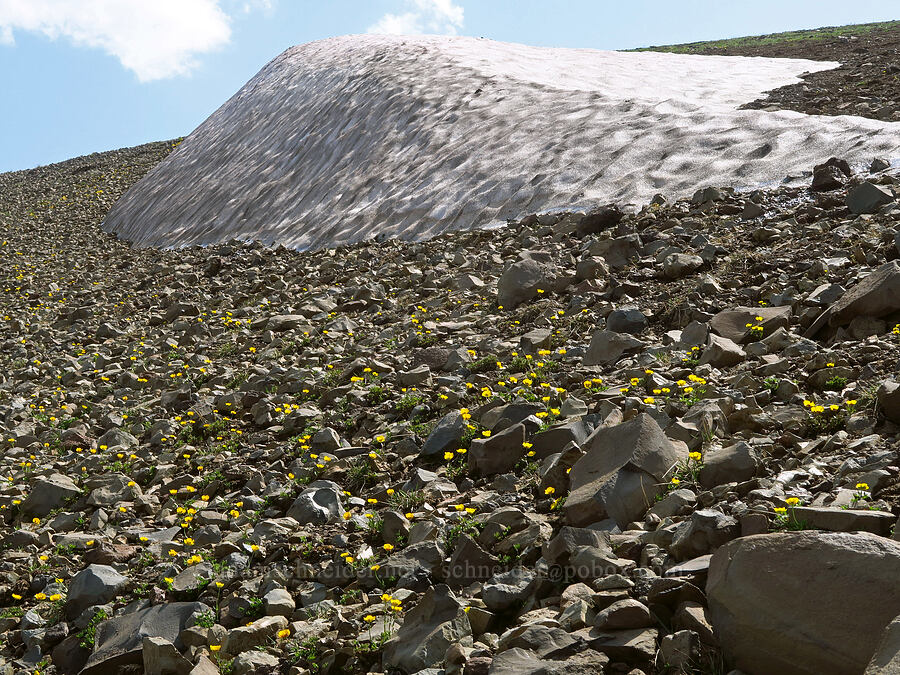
(350, 138)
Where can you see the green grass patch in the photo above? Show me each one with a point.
(813, 35)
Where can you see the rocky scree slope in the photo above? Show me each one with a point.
(588, 442)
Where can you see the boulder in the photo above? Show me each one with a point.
(120, 640)
(446, 435)
(160, 656)
(94, 585)
(886, 660)
(253, 635)
(622, 614)
(836, 519)
(598, 220)
(518, 661)
(735, 463)
(608, 347)
(48, 494)
(521, 281)
(721, 352)
(677, 265)
(469, 563)
(629, 320)
(255, 663)
(827, 177)
(679, 650)
(704, 532)
(622, 471)
(319, 503)
(430, 628)
(868, 198)
(509, 589)
(732, 323)
(278, 602)
(499, 453)
(780, 603)
(877, 295)
(618, 252)
(427, 556)
(889, 400)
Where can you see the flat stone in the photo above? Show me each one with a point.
(844, 520)
(784, 630)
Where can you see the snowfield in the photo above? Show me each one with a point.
(355, 137)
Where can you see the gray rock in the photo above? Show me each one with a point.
(520, 282)
(415, 377)
(117, 437)
(120, 640)
(889, 400)
(517, 661)
(618, 252)
(624, 467)
(429, 629)
(784, 630)
(320, 503)
(278, 602)
(680, 650)
(48, 494)
(886, 659)
(536, 339)
(545, 641)
(628, 320)
(192, 578)
(446, 435)
(836, 519)
(469, 563)
(257, 633)
(732, 323)
(427, 556)
(499, 453)
(828, 177)
(559, 550)
(598, 220)
(592, 267)
(557, 437)
(160, 656)
(621, 614)
(735, 463)
(509, 589)
(868, 198)
(703, 533)
(877, 295)
(608, 347)
(94, 585)
(721, 352)
(633, 644)
(255, 663)
(283, 322)
(677, 265)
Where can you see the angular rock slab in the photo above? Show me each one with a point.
(119, 641)
(803, 603)
(877, 295)
(623, 469)
(431, 627)
(732, 323)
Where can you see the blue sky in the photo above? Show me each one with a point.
(79, 76)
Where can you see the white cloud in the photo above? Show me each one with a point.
(424, 16)
(155, 39)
